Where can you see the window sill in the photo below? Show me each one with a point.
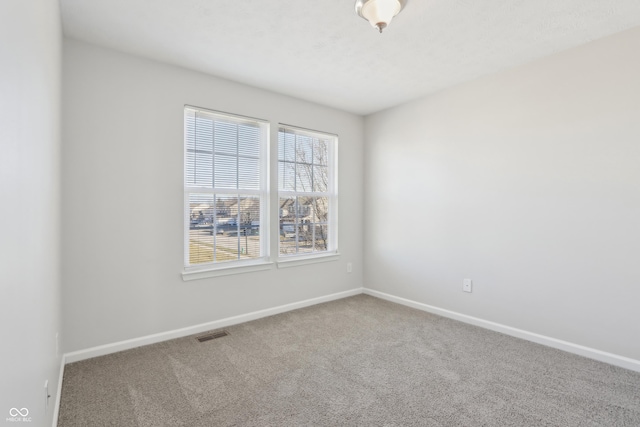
(189, 275)
(304, 260)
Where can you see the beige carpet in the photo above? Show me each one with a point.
(359, 361)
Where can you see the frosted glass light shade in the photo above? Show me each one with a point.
(379, 13)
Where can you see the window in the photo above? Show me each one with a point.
(225, 189)
(307, 192)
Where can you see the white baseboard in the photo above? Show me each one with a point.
(602, 356)
(191, 330)
(56, 408)
(102, 350)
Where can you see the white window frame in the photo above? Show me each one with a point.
(212, 269)
(332, 253)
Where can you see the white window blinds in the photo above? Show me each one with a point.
(225, 188)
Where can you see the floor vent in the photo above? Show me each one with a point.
(212, 336)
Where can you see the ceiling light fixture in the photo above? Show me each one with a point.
(379, 12)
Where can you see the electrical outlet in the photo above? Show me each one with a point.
(349, 267)
(466, 285)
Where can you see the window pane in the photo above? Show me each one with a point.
(201, 169)
(303, 177)
(223, 153)
(190, 131)
(321, 237)
(226, 138)
(321, 210)
(320, 178)
(286, 146)
(190, 168)
(304, 226)
(227, 246)
(199, 145)
(286, 176)
(305, 237)
(226, 172)
(222, 213)
(304, 213)
(200, 228)
(304, 209)
(249, 140)
(287, 217)
(248, 174)
(226, 242)
(249, 228)
(304, 149)
(287, 210)
(320, 152)
(203, 134)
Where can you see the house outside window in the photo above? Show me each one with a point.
(307, 192)
(225, 189)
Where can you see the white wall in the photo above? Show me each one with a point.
(527, 182)
(123, 199)
(30, 63)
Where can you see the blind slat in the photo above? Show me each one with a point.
(223, 154)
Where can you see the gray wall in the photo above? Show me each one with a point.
(30, 64)
(123, 199)
(527, 182)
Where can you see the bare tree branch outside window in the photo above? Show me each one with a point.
(304, 169)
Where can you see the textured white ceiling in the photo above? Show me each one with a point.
(323, 52)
